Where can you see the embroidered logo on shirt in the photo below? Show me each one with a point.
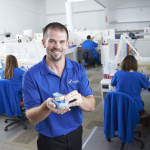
(70, 81)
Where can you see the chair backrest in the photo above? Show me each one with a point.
(84, 53)
(120, 114)
(9, 101)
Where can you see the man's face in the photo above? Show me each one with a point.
(56, 44)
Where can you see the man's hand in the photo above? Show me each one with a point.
(75, 98)
(52, 107)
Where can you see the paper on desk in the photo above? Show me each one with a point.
(112, 88)
(106, 67)
(112, 67)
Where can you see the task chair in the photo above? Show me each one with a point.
(121, 114)
(87, 55)
(10, 104)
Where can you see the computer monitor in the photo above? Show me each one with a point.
(28, 33)
(7, 34)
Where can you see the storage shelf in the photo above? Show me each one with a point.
(129, 22)
(129, 30)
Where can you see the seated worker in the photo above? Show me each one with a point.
(13, 73)
(129, 81)
(88, 44)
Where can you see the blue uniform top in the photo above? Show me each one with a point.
(16, 80)
(39, 83)
(89, 45)
(120, 114)
(131, 83)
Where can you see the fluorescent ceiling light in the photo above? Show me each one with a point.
(75, 0)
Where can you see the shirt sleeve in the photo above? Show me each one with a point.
(144, 82)
(31, 96)
(114, 80)
(95, 44)
(84, 87)
(21, 72)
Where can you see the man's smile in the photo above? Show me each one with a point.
(56, 52)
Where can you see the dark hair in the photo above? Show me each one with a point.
(129, 62)
(53, 26)
(88, 37)
(11, 62)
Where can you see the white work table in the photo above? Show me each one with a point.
(72, 53)
(98, 49)
(105, 88)
(32, 51)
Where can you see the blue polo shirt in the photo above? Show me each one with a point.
(89, 45)
(39, 83)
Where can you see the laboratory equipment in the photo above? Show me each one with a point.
(29, 33)
(143, 62)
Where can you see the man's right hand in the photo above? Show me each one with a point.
(52, 107)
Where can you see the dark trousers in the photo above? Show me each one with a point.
(70, 141)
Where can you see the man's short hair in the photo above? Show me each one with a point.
(88, 37)
(53, 26)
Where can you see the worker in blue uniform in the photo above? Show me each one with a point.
(89, 44)
(129, 81)
(13, 73)
(59, 129)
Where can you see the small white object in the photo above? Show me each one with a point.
(18, 36)
(112, 88)
(29, 33)
(82, 28)
(0, 65)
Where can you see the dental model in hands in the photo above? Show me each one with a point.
(59, 100)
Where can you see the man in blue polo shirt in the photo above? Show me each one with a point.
(89, 44)
(59, 129)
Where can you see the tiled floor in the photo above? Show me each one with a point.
(96, 117)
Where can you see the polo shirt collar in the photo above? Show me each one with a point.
(45, 70)
(69, 64)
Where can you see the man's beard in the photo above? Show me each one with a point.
(51, 56)
(57, 58)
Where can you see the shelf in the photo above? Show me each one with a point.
(129, 30)
(113, 22)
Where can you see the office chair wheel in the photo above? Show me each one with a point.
(5, 129)
(142, 147)
(5, 121)
(109, 139)
(25, 128)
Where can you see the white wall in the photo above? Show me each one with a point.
(87, 13)
(18, 15)
(129, 3)
(130, 14)
(104, 3)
